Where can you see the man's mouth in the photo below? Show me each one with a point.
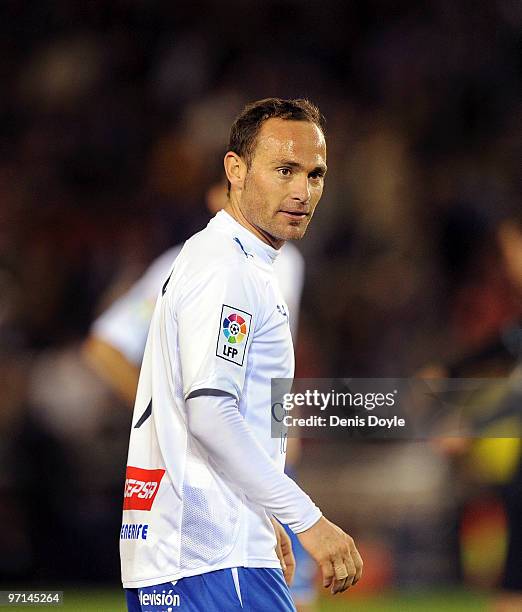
(294, 214)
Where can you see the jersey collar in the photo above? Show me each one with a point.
(249, 243)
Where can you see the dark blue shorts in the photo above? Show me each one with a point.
(243, 588)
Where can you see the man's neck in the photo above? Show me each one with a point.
(233, 209)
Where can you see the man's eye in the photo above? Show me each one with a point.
(316, 175)
(284, 171)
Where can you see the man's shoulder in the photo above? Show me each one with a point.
(214, 252)
(214, 269)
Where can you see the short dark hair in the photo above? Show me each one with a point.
(244, 130)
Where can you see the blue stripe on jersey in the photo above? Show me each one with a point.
(236, 239)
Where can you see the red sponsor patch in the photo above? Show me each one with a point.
(141, 487)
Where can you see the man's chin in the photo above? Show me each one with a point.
(295, 232)
(289, 232)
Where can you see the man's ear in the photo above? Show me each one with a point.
(235, 169)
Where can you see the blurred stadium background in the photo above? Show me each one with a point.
(113, 119)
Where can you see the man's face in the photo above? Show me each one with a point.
(285, 180)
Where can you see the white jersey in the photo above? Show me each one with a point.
(221, 324)
(125, 324)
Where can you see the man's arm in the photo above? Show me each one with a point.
(216, 423)
(112, 367)
(116, 342)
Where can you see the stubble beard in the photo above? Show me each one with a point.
(295, 230)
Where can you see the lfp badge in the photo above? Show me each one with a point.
(233, 335)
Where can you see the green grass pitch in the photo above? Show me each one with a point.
(450, 601)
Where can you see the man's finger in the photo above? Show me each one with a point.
(281, 557)
(328, 573)
(338, 586)
(290, 567)
(341, 576)
(340, 569)
(288, 574)
(358, 562)
(350, 571)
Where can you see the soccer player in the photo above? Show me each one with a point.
(205, 481)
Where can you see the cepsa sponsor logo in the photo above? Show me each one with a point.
(141, 487)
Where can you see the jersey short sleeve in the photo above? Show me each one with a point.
(125, 324)
(215, 318)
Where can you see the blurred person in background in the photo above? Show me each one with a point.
(116, 343)
(486, 249)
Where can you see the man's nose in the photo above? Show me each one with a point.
(301, 189)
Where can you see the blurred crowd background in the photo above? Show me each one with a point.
(114, 118)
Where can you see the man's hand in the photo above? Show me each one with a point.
(335, 552)
(284, 552)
